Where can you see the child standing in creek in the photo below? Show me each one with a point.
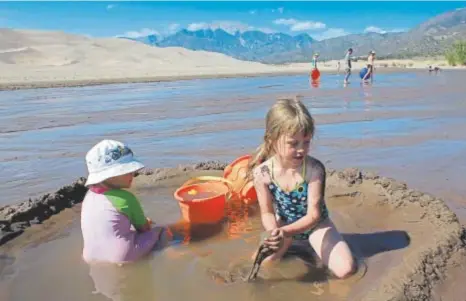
(286, 178)
(113, 224)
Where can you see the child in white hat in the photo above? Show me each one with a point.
(113, 223)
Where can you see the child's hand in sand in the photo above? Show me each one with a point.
(275, 240)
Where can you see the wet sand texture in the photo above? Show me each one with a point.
(416, 233)
(14, 219)
(437, 237)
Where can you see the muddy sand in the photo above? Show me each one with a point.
(405, 240)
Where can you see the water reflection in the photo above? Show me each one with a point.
(315, 83)
(123, 283)
(367, 95)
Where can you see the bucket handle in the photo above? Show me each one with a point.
(209, 178)
(229, 168)
(227, 183)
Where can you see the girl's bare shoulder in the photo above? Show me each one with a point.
(262, 173)
(315, 169)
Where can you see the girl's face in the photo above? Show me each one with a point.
(123, 181)
(293, 148)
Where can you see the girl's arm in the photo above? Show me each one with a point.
(369, 72)
(316, 194)
(264, 197)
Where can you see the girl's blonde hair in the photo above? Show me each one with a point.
(286, 117)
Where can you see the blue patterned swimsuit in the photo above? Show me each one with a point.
(291, 206)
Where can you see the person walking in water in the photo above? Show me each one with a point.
(315, 74)
(314, 61)
(348, 64)
(370, 66)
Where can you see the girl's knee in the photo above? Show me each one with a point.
(344, 269)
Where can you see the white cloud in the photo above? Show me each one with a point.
(331, 33)
(111, 6)
(229, 26)
(253, 12)
(380, 30)
(141, 33)
(280, 10)
(198, 26)
(374, 29)
(397, 30)
(265, 30)
(307, 25)
(296, 25)
(285, 21)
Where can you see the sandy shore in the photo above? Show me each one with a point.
(39, 59)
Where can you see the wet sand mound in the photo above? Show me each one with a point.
(405, 237)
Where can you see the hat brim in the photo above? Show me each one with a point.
(114, 171)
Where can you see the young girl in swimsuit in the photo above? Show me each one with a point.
(113, 224)
(286, 178)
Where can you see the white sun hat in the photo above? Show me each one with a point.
(110, 158)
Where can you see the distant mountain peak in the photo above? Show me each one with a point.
(428, 38)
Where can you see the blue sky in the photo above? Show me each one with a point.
(319, 19)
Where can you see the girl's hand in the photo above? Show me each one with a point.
(149, 221)
(275, 240)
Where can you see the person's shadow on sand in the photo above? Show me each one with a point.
(366, 245)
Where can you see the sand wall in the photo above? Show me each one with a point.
(14, 219)
(426, 263)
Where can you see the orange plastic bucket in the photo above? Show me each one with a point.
(236, 173)
(315, 74)
(203, 203)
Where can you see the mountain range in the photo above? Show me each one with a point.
(427, 39)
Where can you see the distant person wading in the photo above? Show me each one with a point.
(370, 66)
(348, 64)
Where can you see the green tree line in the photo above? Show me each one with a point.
(456, 54)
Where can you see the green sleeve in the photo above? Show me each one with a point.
(126, 203)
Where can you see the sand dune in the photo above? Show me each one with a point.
(40, 58)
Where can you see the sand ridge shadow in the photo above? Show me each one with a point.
(365, 245)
